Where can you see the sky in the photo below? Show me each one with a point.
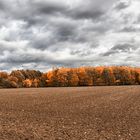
(41, 34)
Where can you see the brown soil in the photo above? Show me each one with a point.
(80, 113)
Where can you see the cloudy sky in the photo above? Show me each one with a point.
(40, 34)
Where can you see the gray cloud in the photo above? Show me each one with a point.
(48, 7)
(121, 48)
(42, 33)
(2, 6)
(129, 29)
(86, 14)
(122, 4)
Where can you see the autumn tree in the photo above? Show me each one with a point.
(122, 75)
(14, 81)
(27, 83)
(52, 78)
(36, 83)
(3, 75)
(18, 74)
(93, 75)
(108, 76)
(137, 77)
(73, 79)
(62, 77)
(83, 76)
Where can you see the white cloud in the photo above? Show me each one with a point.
(44, 33)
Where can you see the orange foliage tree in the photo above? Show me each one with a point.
(60, 77)
(27, 83)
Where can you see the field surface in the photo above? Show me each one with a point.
(80, 113)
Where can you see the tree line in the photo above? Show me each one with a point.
(68, 77)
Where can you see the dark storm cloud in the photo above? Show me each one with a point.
(86, 14)
(21, 59)
(42, 33)
(48, 7)
(61, 31)
(33, 11)
(129, 29)
(110, 52)
(91, 9)
(2, 6)
(122, 5)
(41, 43)
(31, 59)
(120, 48)
(82, 53)
(123, 47)
(64, 33)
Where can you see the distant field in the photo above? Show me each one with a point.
(80, 113)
